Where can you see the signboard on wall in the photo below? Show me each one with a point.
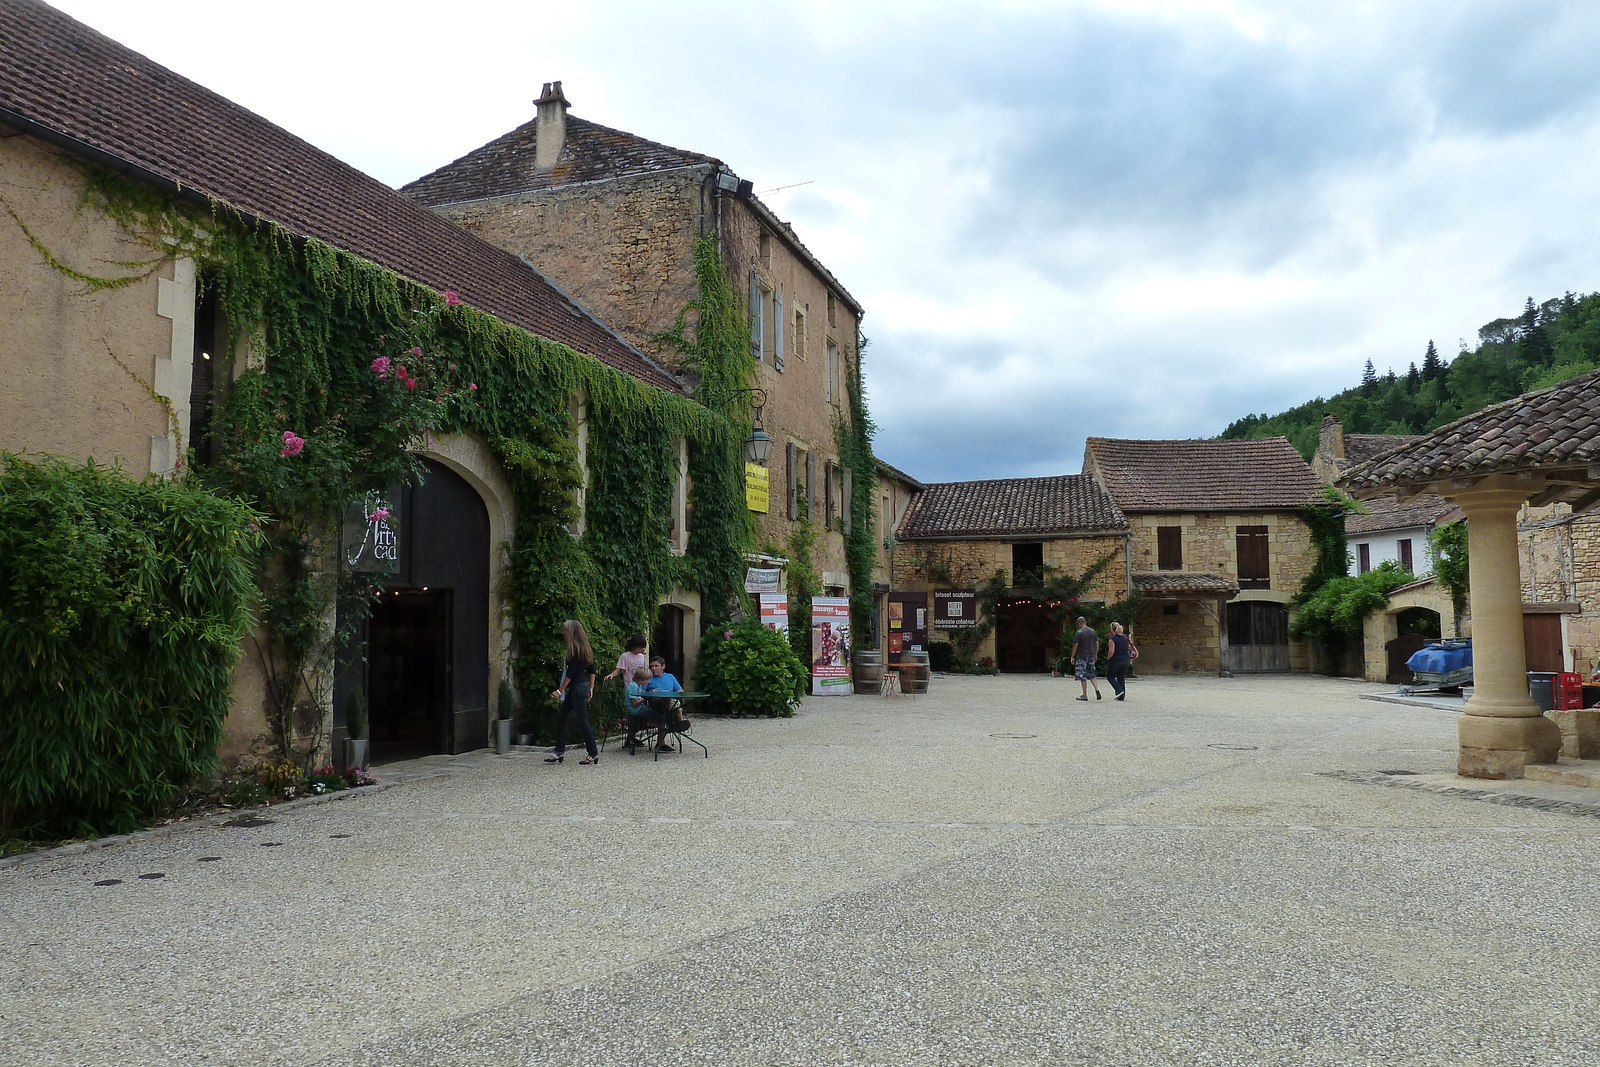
(830, 646)
(775, 612)
(955, 609)
(762, 579)
(757, 485)
(371, 535)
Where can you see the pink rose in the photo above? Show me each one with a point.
(451, 299)
(401, 372)
(473, 386)
(292, 444)
(417, 351)
(380, 366)
(411, 383)
(727, 633)
(379, 515)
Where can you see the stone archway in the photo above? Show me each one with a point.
(687, 604)
(1382, 628)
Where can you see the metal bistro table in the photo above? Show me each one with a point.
(680, 698)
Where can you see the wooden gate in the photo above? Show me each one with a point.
(1401, 649)
(1258, 638)
(1541, 638)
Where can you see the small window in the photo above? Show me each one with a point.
(797, 339)
(833, 373)
(1027, 564)
(833, 312)
(1254, 557)
(1169, 609)
(1169, 548)
(1405, 553)
(1363, 558)
(764, 247)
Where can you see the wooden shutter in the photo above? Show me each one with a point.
(1255, 567)
(757, 328)
(1169, 548)
(827, 490)
(794, 481)
(848, 485)
(811, 485)
(777, 330)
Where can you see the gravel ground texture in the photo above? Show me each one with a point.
(1217, 871)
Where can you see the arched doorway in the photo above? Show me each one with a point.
(422, 655)
(666, 640)
(1417, 627)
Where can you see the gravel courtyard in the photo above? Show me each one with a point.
(991, 874)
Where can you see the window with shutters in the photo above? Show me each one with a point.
(797, 333)
(792, 455)
(1255, 567)
(777, 330)
(812, 490)
(759, 296)
(1405, 552)
(833, 373)
(1169, 548)
(764, 248)
(828, 497)
(1363, 558)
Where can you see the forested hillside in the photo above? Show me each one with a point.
(1547, 343)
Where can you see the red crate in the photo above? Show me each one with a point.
(1569, 691)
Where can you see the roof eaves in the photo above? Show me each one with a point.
(789, 238)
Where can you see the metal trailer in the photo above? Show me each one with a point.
(1435, 681)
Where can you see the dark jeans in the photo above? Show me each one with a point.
(576, 702)
(1117, 675)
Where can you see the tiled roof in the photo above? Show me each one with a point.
(1550, 430)
(1024, 507)
(69, 85)
(1183, 582)
(505, 165)
(1252, 474)
(897, 474)
(1360, 447)
(1387, 513)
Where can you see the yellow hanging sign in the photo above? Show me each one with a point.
(757, 483)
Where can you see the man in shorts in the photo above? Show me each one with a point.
(1085, 650)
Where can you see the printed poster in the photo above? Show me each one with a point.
(762, 579)
(775, 612)
(757, 487)
(830, 646)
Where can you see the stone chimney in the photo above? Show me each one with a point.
(552, 128)
(1330, 448)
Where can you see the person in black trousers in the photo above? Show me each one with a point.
(1119, 653)
(577, 682)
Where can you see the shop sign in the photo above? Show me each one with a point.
(830, 646)
(955, 609)
(371, 535)
(775, 612)
(757, 486)
(762, 579)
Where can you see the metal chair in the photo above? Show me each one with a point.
(890, 686)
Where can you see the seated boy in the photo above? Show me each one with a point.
(662, 682)
(640, 713)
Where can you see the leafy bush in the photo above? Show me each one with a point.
(752, 670)
(245, 793)
(122, 609)
(941, 656)
(1333, 614)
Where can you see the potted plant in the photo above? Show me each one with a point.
(355, 722)
(502, 725)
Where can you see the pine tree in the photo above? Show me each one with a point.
(1413, 379)
(1432, 365)
(1369, 380)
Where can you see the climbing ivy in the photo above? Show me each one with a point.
(853, 435)
(1448, 546)
(1325, 518)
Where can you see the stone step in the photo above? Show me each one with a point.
(1579, 772)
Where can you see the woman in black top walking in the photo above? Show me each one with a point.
(577, 682)
(1119, 653)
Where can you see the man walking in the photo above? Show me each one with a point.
(1085, 649)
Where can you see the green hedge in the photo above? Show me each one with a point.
(122, 609)
(751, 670)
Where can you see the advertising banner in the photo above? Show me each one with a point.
(955, 609)
(830, 646)
(775, 612)
(762, 579)
(371, 535)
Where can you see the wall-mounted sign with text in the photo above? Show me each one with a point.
(757, 485)
(762, 579)
(371, 535)
(955, 609)
(775, 612)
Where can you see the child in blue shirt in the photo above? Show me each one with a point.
(637, 708)
(662, 682)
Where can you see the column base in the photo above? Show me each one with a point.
(1494, 747)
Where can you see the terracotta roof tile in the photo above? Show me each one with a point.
(1251, 474)
(1360, 447)
(1546, 430)
(68, 84)
(1182, 582)
(1068, 503)
(1387, 513)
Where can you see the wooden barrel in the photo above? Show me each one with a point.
(914, 672)
(868, 670)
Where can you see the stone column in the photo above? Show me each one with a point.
(1503, 729)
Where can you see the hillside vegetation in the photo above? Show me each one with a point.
(1547, 343)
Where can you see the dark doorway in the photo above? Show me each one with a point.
(1541, 639)
(1027, 565)
(408, 670)
(1258, 637)
(426, 644)
(667, 641)
(1399, 650)
(1026, 639)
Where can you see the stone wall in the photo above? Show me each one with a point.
(1560, 562)
(1178, 636)
(81, 366)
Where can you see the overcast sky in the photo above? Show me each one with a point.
(1129, 219)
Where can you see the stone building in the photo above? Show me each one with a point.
(125, 373)
(1216, 545)
(960, 535)
(614, 218)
